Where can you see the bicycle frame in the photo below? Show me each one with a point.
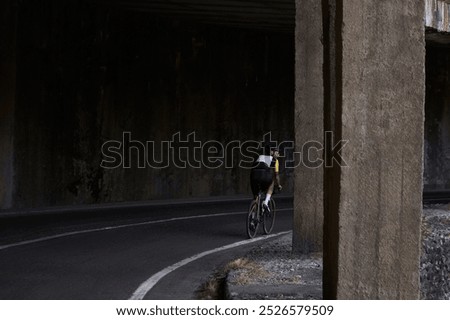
(256, 216)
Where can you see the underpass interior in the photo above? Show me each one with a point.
(86, 72)
(89, 71)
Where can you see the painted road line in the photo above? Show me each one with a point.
(146, 286)
(73, 233)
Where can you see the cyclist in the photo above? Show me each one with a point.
(265, 174)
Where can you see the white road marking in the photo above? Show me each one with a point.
(146, 286)
(67, 234)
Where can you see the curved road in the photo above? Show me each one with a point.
(112, 263)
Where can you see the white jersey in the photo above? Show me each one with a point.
(266, 159)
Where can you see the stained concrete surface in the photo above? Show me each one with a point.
(86, 73)
(8, 25)
(373, 206)
(309, 116)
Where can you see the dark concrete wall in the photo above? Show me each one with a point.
(7, 99)
(87, 73)
(437, 119)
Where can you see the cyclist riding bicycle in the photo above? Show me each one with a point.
(265, 174)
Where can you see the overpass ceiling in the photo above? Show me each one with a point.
(277, 15)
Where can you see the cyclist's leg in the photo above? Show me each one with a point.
(269, 217)
(270, 188)
(269, 192)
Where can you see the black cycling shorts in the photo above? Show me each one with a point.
(260, 179)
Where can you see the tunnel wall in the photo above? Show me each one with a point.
(437, 119)
(7, 99)
(87, 73)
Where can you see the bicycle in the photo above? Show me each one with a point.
(256, 216)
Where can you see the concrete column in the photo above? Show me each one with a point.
(374, 98)
(308, 208)
(7, 99)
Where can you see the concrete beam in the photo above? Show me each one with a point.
(437, 15)
(276, 15)
(374, 95)
(308, 200)
(7, 100)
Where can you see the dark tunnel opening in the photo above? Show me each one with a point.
(437, 117)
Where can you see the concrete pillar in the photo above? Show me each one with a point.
(308, 208)
(374, 98)
(7, 99)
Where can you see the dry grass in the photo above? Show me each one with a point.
(211, 290)
(214, 288)
(248, 271)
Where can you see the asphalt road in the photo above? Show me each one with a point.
(73, 262)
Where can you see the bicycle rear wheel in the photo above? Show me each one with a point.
(269, 217)
(252, 220)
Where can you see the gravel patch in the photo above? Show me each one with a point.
(281, 275)
(435, 259)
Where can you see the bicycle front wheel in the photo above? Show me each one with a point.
(269, 217)
(252, 220)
